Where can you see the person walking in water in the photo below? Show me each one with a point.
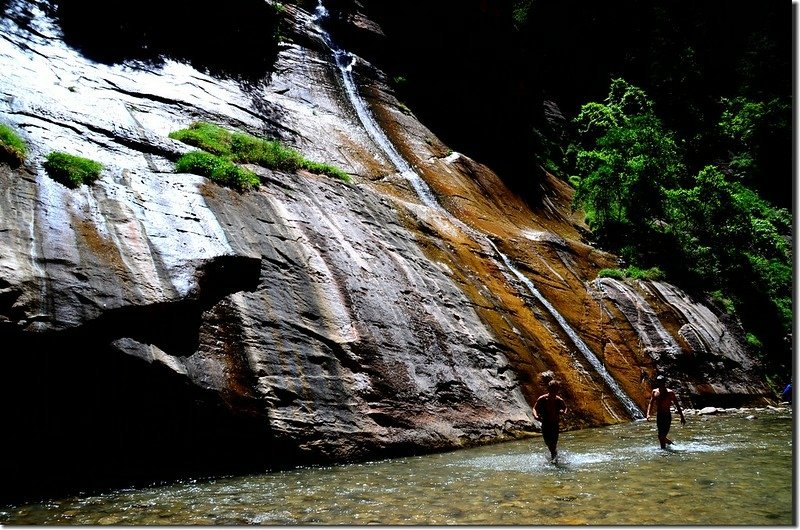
(664, 398)
(548, 410)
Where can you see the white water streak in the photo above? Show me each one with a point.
(344, 61)
(633, 410)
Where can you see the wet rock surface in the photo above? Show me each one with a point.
(184, 329)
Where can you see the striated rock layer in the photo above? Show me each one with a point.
(156, 325)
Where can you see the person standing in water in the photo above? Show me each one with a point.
(664, 398)
(548, 410)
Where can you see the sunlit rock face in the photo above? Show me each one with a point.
(186, 329)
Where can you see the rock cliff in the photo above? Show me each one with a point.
(156, 325)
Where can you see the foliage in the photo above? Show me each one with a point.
(12, 147)
(617, 274)
(627, 160)
(71, 170)
(240, 148)
(219, 169)
(266, 153)
(731, 239)
(520, 11)
(206, 136)
(325, 169)
(723, 300)
(653, 273)
(757, 134)
(710, 231)
(705, 219)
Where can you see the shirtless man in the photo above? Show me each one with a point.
(547, 410)
(664, 398)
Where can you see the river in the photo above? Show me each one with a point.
(728, 469)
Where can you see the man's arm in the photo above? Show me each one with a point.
(678, 407)
(649, 404)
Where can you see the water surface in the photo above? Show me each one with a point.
(730, 469)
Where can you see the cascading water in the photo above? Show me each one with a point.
(631, 407)
(344, 61)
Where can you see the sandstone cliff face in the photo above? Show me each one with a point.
(180, 328)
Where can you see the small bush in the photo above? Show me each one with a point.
(611, 273)
(724, 301)
(266, 153)
(71, 170)
(636, 273)
(219, 169)
(325, 169)
(754, 342)
(632, 272)
(12, 147)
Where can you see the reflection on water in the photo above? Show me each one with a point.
(731, 469)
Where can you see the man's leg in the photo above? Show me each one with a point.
(663, 422)
(550, 435)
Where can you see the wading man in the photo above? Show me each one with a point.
(664, 398)
(548, 410)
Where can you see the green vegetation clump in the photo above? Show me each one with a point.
(240, 148)
(219, 169)
(71, 170)
(12, 147)
(205, 136)
(709, 229)
(325, 169)
(653, 273)
(617, 274)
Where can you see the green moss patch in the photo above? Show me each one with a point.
(653, 273)
(71, 170)
(219, 169)
(12, 148)
(240, 148)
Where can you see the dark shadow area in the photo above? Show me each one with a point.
(82, 415)
(236, 40)
(9, 158)
(87, 418)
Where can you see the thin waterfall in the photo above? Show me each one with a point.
(344, 61)
(633, 410)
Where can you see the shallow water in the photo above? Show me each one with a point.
(722, 470)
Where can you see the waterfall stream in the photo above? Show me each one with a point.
(344, 61)
(631, 407)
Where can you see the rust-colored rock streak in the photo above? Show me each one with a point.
(544, 242)
(185, 329)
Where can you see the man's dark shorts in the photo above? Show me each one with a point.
(550, 432)
(663, 421)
